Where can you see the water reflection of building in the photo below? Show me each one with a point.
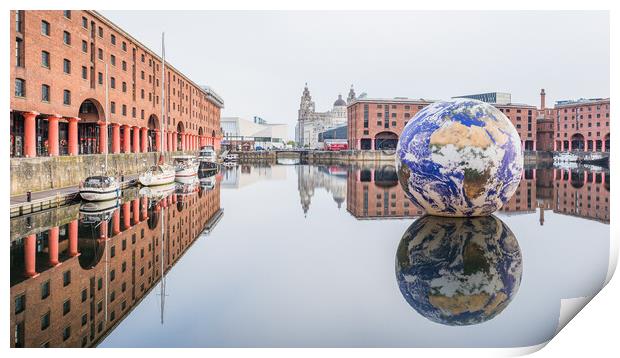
(72, 283)
(581, 193)
(331, 178)
(374, 192)
(524, 198)
(245, 174)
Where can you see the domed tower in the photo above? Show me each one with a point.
(351, 96)
(339, 112)
(340, 102)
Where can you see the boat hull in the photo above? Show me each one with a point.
(94, 194)
(167, 177)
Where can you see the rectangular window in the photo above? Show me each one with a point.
(99, 284)
(124, 86)
(45, 321)
(124, 46)
(84, 22)
(84, 319)
(66, 333)
(124, 110)
(84, 72)
(66, 307)
(45, 93)
(100, 78)
(124, 66)
(66, 99)
(67, 14)
(45, 59)
(113, 60)
(20, 87)
(19, 52)
(45, 28)
(19, 21)
(100, 54)
(112, 107)
(100, 31)
(84, 295)
(66, 66)
(66, 38)
(20, 303)
(112, 275)
(45, 289)
(113, 39)
(112, 82)
(84, 46)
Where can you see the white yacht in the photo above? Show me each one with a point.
(100, 188)
(185, 167)
(207, 154)
(160, 174)
(231, 158)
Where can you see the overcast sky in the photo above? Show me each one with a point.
(259, 61)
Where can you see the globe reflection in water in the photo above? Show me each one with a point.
(458, 271)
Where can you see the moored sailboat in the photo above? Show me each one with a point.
(161, 173)
(101, 187)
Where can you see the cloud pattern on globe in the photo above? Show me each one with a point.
(459, 158)
(458, 271)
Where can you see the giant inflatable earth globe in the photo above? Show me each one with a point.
(459, 158)
(458, 271)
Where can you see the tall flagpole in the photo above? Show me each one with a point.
(163, 82)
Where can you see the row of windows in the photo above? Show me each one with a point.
(20, 91)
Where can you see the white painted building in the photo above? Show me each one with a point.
(242, 134)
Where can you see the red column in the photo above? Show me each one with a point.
(73, 135)
(174, 198)
(116, 138)
(182, 142)
(136, 211)
(103, 230)
(126, 139)
(555, 145)
(168, 201)
(103, 137)
(143, 136)
(73, 238)
(174, 141)
(53, 246)
(30, 134)
(144, 205)
(30, 255)
(136, 139)
(126, 216)
(603, 145)
(116, 222)
(52, 135)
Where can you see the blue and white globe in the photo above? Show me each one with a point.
(459, 158)
(458, 271)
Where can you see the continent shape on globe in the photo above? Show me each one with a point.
(459, 158)
(459, 271)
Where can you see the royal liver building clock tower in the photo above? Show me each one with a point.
(306, 109)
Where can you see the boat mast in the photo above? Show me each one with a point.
(107, 109)
(163, 102)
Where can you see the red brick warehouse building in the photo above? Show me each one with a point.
(582, 125)
(58, 91)
(375, 124)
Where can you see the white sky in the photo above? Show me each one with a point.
(259, 61)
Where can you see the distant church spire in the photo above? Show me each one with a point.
(351, 96)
